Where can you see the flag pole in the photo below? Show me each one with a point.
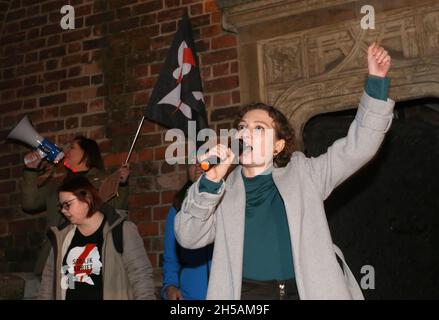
(134, 141)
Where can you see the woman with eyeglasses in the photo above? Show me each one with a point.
(83, 158)
(84, 263)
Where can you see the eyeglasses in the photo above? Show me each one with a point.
(65, 205)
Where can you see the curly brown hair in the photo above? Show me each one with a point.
(282, 127)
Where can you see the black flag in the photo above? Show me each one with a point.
(177, 97)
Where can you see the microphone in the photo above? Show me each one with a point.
(212, 161)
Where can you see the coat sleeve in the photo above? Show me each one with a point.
(137, 263)
(194, 225)
(46, 287)
(171, 264)
(33, 198)
(347, 155)
(121, 200)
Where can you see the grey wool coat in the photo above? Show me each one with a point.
(303, 184)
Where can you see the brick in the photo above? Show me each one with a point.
(74, 47)
(91, 68)
(55, 75)
(10, 84)
(140, 215)
(200, 21)
(33, 11)
(72, 123)
(171, 3)
(234, 67)
(30, 91)
(98, 79)
(202, 45)
(50, 126)
(149, 140)
(114, 4)
(172, 14)
(30, 103)
(51, 64)
(15, 15)
(224, 114)
(148, 20)
(148, 229)
(94, 44)
(5, 173)
(156, 68)
(33, 22)
(147, 7)
(127, 24)
(13, 38)
(54, 99)
(74, 83)
(99, 18)
(7, 187)
(22, 226)
(141, 98)
(219, 56)
(196, 9)
(210, 6)
(53, 40)
(51, 29)
(220, 70)
(96, 106)
(159, 153)
(52, 6)
(144, 199)
(168, 27)
(94, 120)
(167, 196)
(51, 87)
(29, 69)
(74, 71)
(75, 108)
(72, 59)
(160, 213)
(83, 10)
(222, 84)
(53, 52)
(145, 155)
(72, 35)
(222, 99)
(225, 41)
(10, 106)
(236, 97)
(122, 13)
(51, 113)
(115, 159)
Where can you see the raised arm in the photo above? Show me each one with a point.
(366, 133)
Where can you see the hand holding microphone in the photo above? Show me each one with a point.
(217, 161)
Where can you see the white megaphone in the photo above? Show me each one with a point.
(25, 132)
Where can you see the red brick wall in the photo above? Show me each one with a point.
(95, 80)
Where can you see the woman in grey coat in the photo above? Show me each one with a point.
(267, 219)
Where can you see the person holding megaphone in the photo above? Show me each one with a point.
(81, 157)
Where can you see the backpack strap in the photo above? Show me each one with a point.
(117, 233)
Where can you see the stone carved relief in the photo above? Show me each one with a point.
(316, 71)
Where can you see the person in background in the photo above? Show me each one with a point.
(83, 158)
(185, 272)
(84, 262)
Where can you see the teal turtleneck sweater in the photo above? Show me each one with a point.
(267, 252)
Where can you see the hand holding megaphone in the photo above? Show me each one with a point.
(24, 132)
(33, 159)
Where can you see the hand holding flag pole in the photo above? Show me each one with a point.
(176, 99)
